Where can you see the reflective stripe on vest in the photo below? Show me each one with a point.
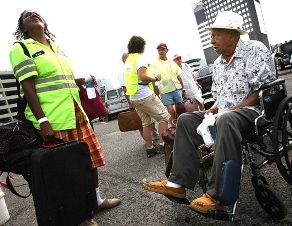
(54, 78)
(25, 71)
(43, 84)
(56, 87)
(23, 64)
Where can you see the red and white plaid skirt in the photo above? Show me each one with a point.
(83, 132)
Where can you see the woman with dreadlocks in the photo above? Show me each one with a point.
(47, 82)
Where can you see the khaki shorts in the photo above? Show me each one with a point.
(151, 107)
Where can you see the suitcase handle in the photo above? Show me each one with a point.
(51, 145)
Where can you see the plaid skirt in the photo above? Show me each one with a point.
(83, 132)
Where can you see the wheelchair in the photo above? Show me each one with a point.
(271, 142)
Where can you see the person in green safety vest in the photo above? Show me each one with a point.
(155, 134)
(139, 86)
(47, 82)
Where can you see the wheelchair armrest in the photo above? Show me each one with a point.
(271, 84)
(207, 95)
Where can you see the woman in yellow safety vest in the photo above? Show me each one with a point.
(47, 82)
(139, 86)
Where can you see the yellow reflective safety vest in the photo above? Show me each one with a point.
(131, 75)
(54, 82)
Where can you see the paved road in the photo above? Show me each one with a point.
(126, 167)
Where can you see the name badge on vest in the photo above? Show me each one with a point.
(38, 53)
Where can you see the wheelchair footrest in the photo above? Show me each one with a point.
(220, 215)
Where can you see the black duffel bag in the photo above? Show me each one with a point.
(17, 139)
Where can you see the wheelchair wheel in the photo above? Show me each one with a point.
(270, 202)
(282, 139)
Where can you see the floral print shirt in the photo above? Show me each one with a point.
(250, 66)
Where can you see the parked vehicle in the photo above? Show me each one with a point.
(204, 78)
(115, 101)
(286, 48)
(284, 56)
(282, 60)
(286, 60)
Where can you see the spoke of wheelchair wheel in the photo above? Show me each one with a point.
(287, 164)
(286, 149)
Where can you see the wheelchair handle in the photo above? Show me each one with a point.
(272, 84)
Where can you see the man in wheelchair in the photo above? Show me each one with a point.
(239, 71)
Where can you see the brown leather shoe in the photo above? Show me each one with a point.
(109, 203)
(89, 222)
(161, 188)
(205, 204)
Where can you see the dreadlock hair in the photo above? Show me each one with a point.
(20, 35)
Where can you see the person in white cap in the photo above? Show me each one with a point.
(238, 73)
(191, 88)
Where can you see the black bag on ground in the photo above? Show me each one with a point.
(17, 139)
(62, 184)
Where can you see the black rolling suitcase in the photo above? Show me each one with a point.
(62, 184)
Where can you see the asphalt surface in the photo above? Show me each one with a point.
(122, 177)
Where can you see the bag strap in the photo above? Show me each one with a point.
(25, 50)
(21, 103)
(8, 185)
(12, 189)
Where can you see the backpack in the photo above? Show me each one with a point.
(17, 140)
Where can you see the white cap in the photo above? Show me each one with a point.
(176, 56)
(228, 20)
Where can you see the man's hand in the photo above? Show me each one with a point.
(158, 77)
(213, 110)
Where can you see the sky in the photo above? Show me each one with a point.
(94, 34)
